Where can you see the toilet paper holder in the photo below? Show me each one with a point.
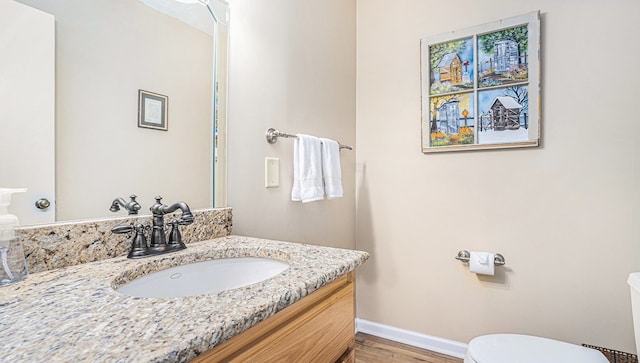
(464, 256)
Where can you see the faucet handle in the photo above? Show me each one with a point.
(175, 237)
(139, 246)
(122, 229)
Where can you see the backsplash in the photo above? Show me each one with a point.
(52, 246)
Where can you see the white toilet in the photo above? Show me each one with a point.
(510, 348)
(514, 348)
(634, 283)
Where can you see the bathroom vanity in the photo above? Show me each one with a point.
(305, 313)
(318, 328)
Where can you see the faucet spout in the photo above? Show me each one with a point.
(132, 206)
(186, 212)
(159, 209)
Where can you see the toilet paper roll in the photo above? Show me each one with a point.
(482, 263)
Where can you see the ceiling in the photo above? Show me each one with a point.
(194, 14)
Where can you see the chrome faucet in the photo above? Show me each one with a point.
(132, 206)
(158, 237)
(159, 244)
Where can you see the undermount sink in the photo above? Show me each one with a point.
(206, 277)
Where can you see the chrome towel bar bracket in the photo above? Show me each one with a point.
(464, 256)
(273, 135)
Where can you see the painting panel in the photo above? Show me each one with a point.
(451, 120)
(503, 115)
(451, 66)
(503, 57)
(500, 101)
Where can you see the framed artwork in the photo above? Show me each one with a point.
(478, 84)
(152, 110)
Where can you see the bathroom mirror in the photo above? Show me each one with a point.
(106, 51)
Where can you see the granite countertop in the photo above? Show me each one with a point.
(74, 313)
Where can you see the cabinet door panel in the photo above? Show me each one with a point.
(322, 334)
(318, 328)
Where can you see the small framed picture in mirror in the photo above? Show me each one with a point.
(152, 110)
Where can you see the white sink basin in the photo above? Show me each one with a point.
(206, 277)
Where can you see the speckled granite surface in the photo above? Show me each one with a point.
(73, 314)
(59, 245)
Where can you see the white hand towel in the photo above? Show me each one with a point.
(331, 171)
(307, 169)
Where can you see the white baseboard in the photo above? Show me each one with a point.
(435, 344)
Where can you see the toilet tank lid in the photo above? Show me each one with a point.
(634, 281)
(509, 348)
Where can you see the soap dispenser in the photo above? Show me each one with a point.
(14, 265)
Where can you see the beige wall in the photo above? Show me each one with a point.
(565, 215)
(105, 51)
(292, 67)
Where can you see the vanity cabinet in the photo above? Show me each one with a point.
(318, 328)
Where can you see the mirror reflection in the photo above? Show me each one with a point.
(106, 51)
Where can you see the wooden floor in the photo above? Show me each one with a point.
(371, 349)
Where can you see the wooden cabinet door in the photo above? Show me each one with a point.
(319, 328)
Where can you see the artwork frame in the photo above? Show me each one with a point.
(153, 110)
(480, 86)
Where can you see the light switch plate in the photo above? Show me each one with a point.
(271, 172)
